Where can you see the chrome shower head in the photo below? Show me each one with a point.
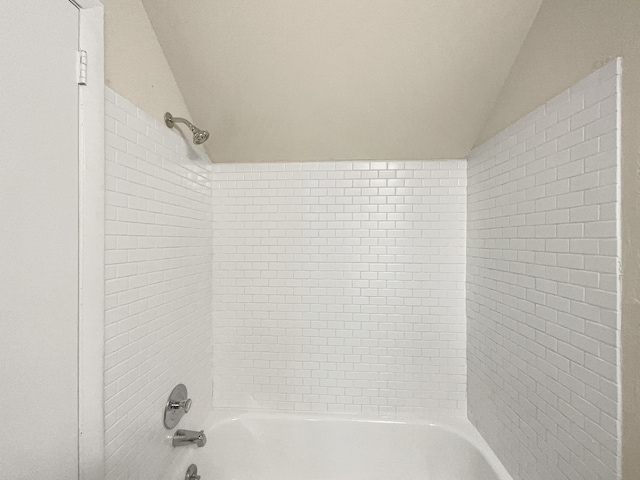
(199, 136)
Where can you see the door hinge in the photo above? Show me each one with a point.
(82, 67)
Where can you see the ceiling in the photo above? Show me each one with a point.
(297, 80)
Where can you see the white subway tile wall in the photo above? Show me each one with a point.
(339, 286)
(543, 289)
(158, 287)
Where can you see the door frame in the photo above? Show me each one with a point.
(91, 191)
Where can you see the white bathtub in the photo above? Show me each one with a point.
(293, 447)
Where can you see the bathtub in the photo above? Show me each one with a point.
(257, 446)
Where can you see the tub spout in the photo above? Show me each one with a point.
(183, 438)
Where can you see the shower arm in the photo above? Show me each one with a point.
(170, 120)
(199, 136)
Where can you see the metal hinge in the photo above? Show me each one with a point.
(82, 67)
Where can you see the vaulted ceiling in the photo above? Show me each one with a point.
(340, 79)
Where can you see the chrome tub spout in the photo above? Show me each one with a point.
(184, 438)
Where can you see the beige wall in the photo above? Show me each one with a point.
(135, 65)
(291, 80)
(568, 40)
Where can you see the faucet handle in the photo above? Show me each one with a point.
(192, 473)
(177, 405)
(184, 404)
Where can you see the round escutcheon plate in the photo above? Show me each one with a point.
(172, 415)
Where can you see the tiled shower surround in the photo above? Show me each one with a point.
(542, 287)
(158, 287)
(339, 286)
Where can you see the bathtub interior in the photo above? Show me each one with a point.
(291, 447)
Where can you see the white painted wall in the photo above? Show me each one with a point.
(39, 261)
(158, 241)
(339, 286)
(542, 287)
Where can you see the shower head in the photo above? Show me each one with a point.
(199, 136)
